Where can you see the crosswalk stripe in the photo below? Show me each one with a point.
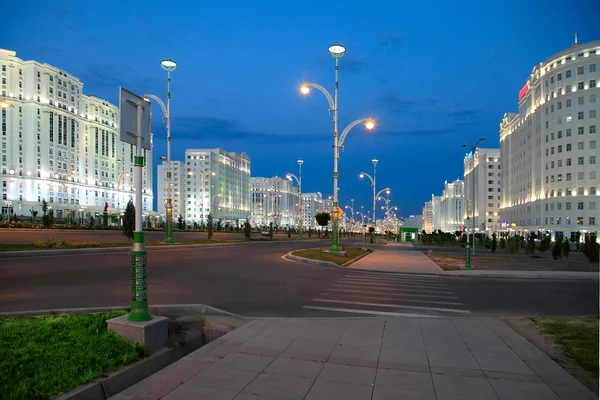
(394, 278)
(391, 284)
(399, 282)
(408, 294)
(408, 289)
(357, 311)
(421, 276)
(400, 298)
(360, 303)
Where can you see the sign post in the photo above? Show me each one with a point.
(135, 129)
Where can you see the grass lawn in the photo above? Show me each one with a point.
(46, 356)
(318, 254)
(578, 337)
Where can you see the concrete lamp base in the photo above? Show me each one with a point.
(337, 253)
(150, 334)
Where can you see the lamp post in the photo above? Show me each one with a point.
(375, 193)
(337, 51)
(473, 149)
(299, 180)
(168, 65)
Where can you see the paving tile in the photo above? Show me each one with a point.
(504, 365)
(458, 371)
(507, 376)
(406, 380)
(348, 373)
(246, 396)
(290, 329)
(186, 392)
(547, 369)
(447, 348)
(403, 360)
(404, 342)
(308, 350)
(502, 351)
(325, 331)
(464, 360)
(358, 340)
(512, 390)
(297, 368)
(246, 362)
(361, 356)
(264, 346)
(387, 393)
(279, 386)
(567, 388)
(476, 396)
(328, 390)
(466, 386)
(223, 378)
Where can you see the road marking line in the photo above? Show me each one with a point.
(408, 294)
(397, 298)
(417, 285)
(357, 311)
(360, 303)
(394, 278)
(423, 276)
(394, 289)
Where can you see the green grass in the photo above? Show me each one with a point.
(578, 337)
(46, 356)
(318, 254)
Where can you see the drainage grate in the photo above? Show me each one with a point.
(211, 333)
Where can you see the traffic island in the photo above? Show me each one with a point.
(327, 258)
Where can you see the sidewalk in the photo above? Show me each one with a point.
(369, 358)
(389, 258)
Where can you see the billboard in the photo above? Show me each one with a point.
(128, 102)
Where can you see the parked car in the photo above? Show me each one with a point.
(264, 232)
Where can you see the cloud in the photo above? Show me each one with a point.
(353, 65)
(99, 77)
(393, 103)
(424, 132)
(230, 130)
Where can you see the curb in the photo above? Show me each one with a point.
(174, 310)
(95, 250)
(289, 256)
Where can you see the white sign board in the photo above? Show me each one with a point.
(128, 118)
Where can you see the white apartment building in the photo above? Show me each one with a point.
(60, 145)
(274, 200)
(177, 188)
(483, 193)
(436, 209)
(428, 217)
(549, 148)
(216, 182)
(451, 206)
(312, 203)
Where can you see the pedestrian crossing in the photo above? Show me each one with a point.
(384, 294)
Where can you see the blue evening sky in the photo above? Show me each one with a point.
(434, 74)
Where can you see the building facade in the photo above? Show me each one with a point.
(451, 206)
(216, 182)
(61, 146)
(549, 149)
(177, 189)
(436, 209)
(483, 180)
(428, 217)
(312, 204)
(274, 200)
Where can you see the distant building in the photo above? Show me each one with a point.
(413, 221)
(436, 205)
(485, 169)
(451, 206)
(312, 204)
(428, 217)
(274, 200)
(177, 188)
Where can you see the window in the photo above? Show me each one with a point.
(592, 113)
(569, 147)
(580, 86)
(568, 176)
(559, 206)
(592, 220)
(579, 70)
(592, 98)
(592, 128)
(579, 191)
(580, 146)
(567, 206)
(592, 205)
(568, 103)
(580, 100)
(592, 159)
(559, 105)
(592, 67)
(580, 130)
(559, 135)
(569, 132)
(580, 115)
(552, 108)
(560, 148)
(579, 220)
(568, 74)
(559, 163)
(592, 190)
(551, 80)
(592, 83)
(580, 161)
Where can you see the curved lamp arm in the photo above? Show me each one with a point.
(347, 129)
(324, 91)
(368, 176)
(381, 191)
(290, 176)
(159, 101)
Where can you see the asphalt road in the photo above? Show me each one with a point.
(23, 236)
(253, 280)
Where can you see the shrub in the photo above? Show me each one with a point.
(247, 230)
(557, 250)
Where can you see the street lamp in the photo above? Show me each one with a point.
(299, 180)
(4, 104)
(374, 185)
(337, 51)
(473, 149)
(168, 65)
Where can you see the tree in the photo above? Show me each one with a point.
(590, 249)
(544, 244)
(105, 214)
(566, 247)
(180, 223)
(209, 226)
(531, 243)
(372, 232)
(557, 249)
(45, 217)
(271, 231)
(33, 214)
(129, 220)
(247, 230)
(323, 219)
(514, 245)
(289, 233)
(494, 243)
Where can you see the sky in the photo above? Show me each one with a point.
(432, 74)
